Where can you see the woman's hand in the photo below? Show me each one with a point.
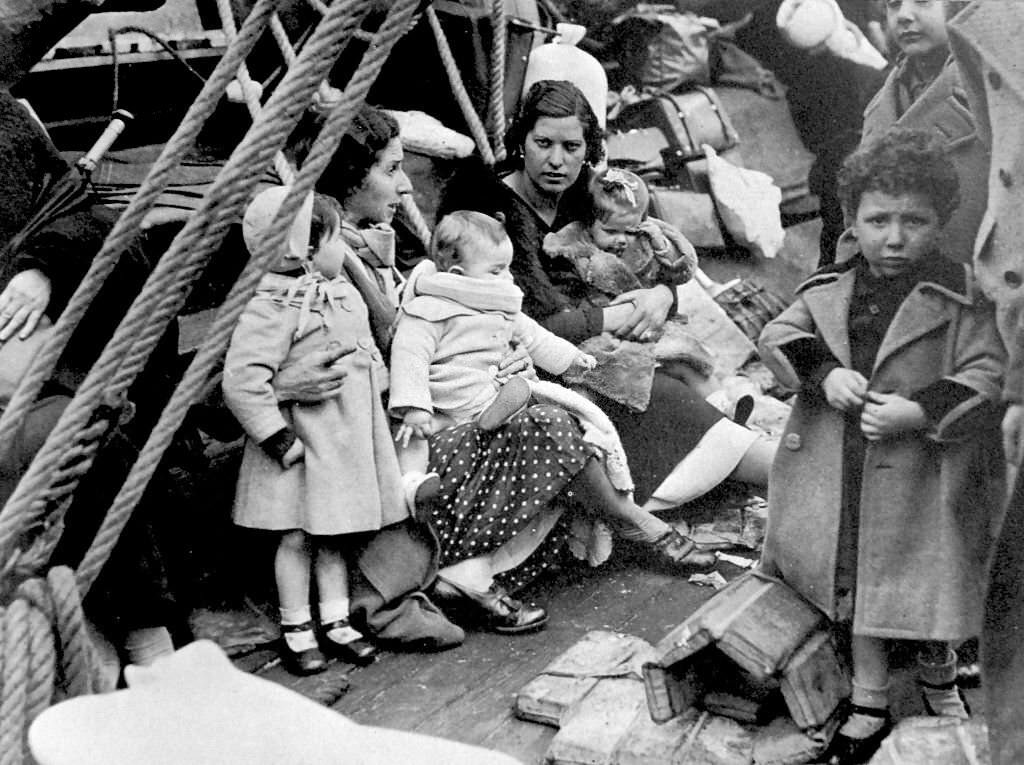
(296, 453)
(844, 388)
(650, 311)
(887, 414)
(516, 361)
(22, 303)
(1013, 433)
(415, 424)
(313, 378)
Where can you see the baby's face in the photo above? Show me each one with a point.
(917, 26)
(488, 261)
(616, 232)
(329, 258)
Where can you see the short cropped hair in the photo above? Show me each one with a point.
(900, 162)
(460, 230)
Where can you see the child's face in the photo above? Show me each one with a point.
(917, 26)
(615, 233)
(329, 257)
(487, 261)
(896, 232)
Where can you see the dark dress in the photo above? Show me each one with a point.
(555, 295)
(493, 485)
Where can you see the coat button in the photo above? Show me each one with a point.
(1012, 279)
(1005, 178)
(994, 79)
(792, 441)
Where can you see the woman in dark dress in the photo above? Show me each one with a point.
(503, 491)
(680, 446)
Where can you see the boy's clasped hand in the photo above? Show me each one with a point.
(882, 414)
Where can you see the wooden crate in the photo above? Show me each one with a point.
(814, 682)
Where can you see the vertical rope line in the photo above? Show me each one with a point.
(189, 251)
(476, 127)
(127, 226)
(395, 25)
(499, 35)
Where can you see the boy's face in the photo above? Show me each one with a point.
(487, 261)
(614, 233)
(917, 26)
(895, 232)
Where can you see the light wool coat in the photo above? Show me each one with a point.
(349, 479)
(927, 500)
(942, 109)
(452, 332)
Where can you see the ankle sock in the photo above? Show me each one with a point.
(302, 640)
(337, 610)
(147, 644)
(939, 689)
(644, 528)
(859, 725)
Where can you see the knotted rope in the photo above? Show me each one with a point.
(166, 289)
(397, 23)
(36, 663)
(476, 127)
(496, 103)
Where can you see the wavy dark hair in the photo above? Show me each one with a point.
(554, 98)
(900, 162)
(370, 132)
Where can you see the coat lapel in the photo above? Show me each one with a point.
(923, 311)
(993, 30)
(829, 305)
(931, 98)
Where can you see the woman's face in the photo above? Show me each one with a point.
(918, 26)
(379, 196)
(553, 153)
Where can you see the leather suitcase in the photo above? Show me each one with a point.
(687, 120)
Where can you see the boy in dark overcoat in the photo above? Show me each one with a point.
(883, 492)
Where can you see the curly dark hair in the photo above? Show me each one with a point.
(370, 132)
(900, 162)
(554, 98)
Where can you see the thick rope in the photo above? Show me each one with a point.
(31, 652)
(414, 219)
(165, 290)
(195, 379)
(476, 127)
(250, 90)
(499, 34)
(122, 236)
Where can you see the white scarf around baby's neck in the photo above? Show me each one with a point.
(487, 295)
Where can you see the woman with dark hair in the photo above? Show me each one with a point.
(503, 491)
(679, 447)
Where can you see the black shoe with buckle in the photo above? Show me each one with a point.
(674, 552)
(360, 651)
(307, 662)
(947, 686)
(845, 750)
(494, 610)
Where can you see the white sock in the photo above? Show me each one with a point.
(944, 702)
(303, 640)
(859, 725)
(147, 644)
(336, 610)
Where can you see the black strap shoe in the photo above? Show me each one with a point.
(494, 610)
(360, 651)
(674, 552)
(308, 662)
(845, 750)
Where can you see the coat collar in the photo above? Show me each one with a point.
(992, 30)
(884, 110)
(828, 293)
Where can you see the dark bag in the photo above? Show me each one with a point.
(688, 120)
(750, 306)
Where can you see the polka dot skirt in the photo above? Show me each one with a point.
(495, 483)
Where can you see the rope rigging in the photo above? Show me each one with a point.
(44, 645)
